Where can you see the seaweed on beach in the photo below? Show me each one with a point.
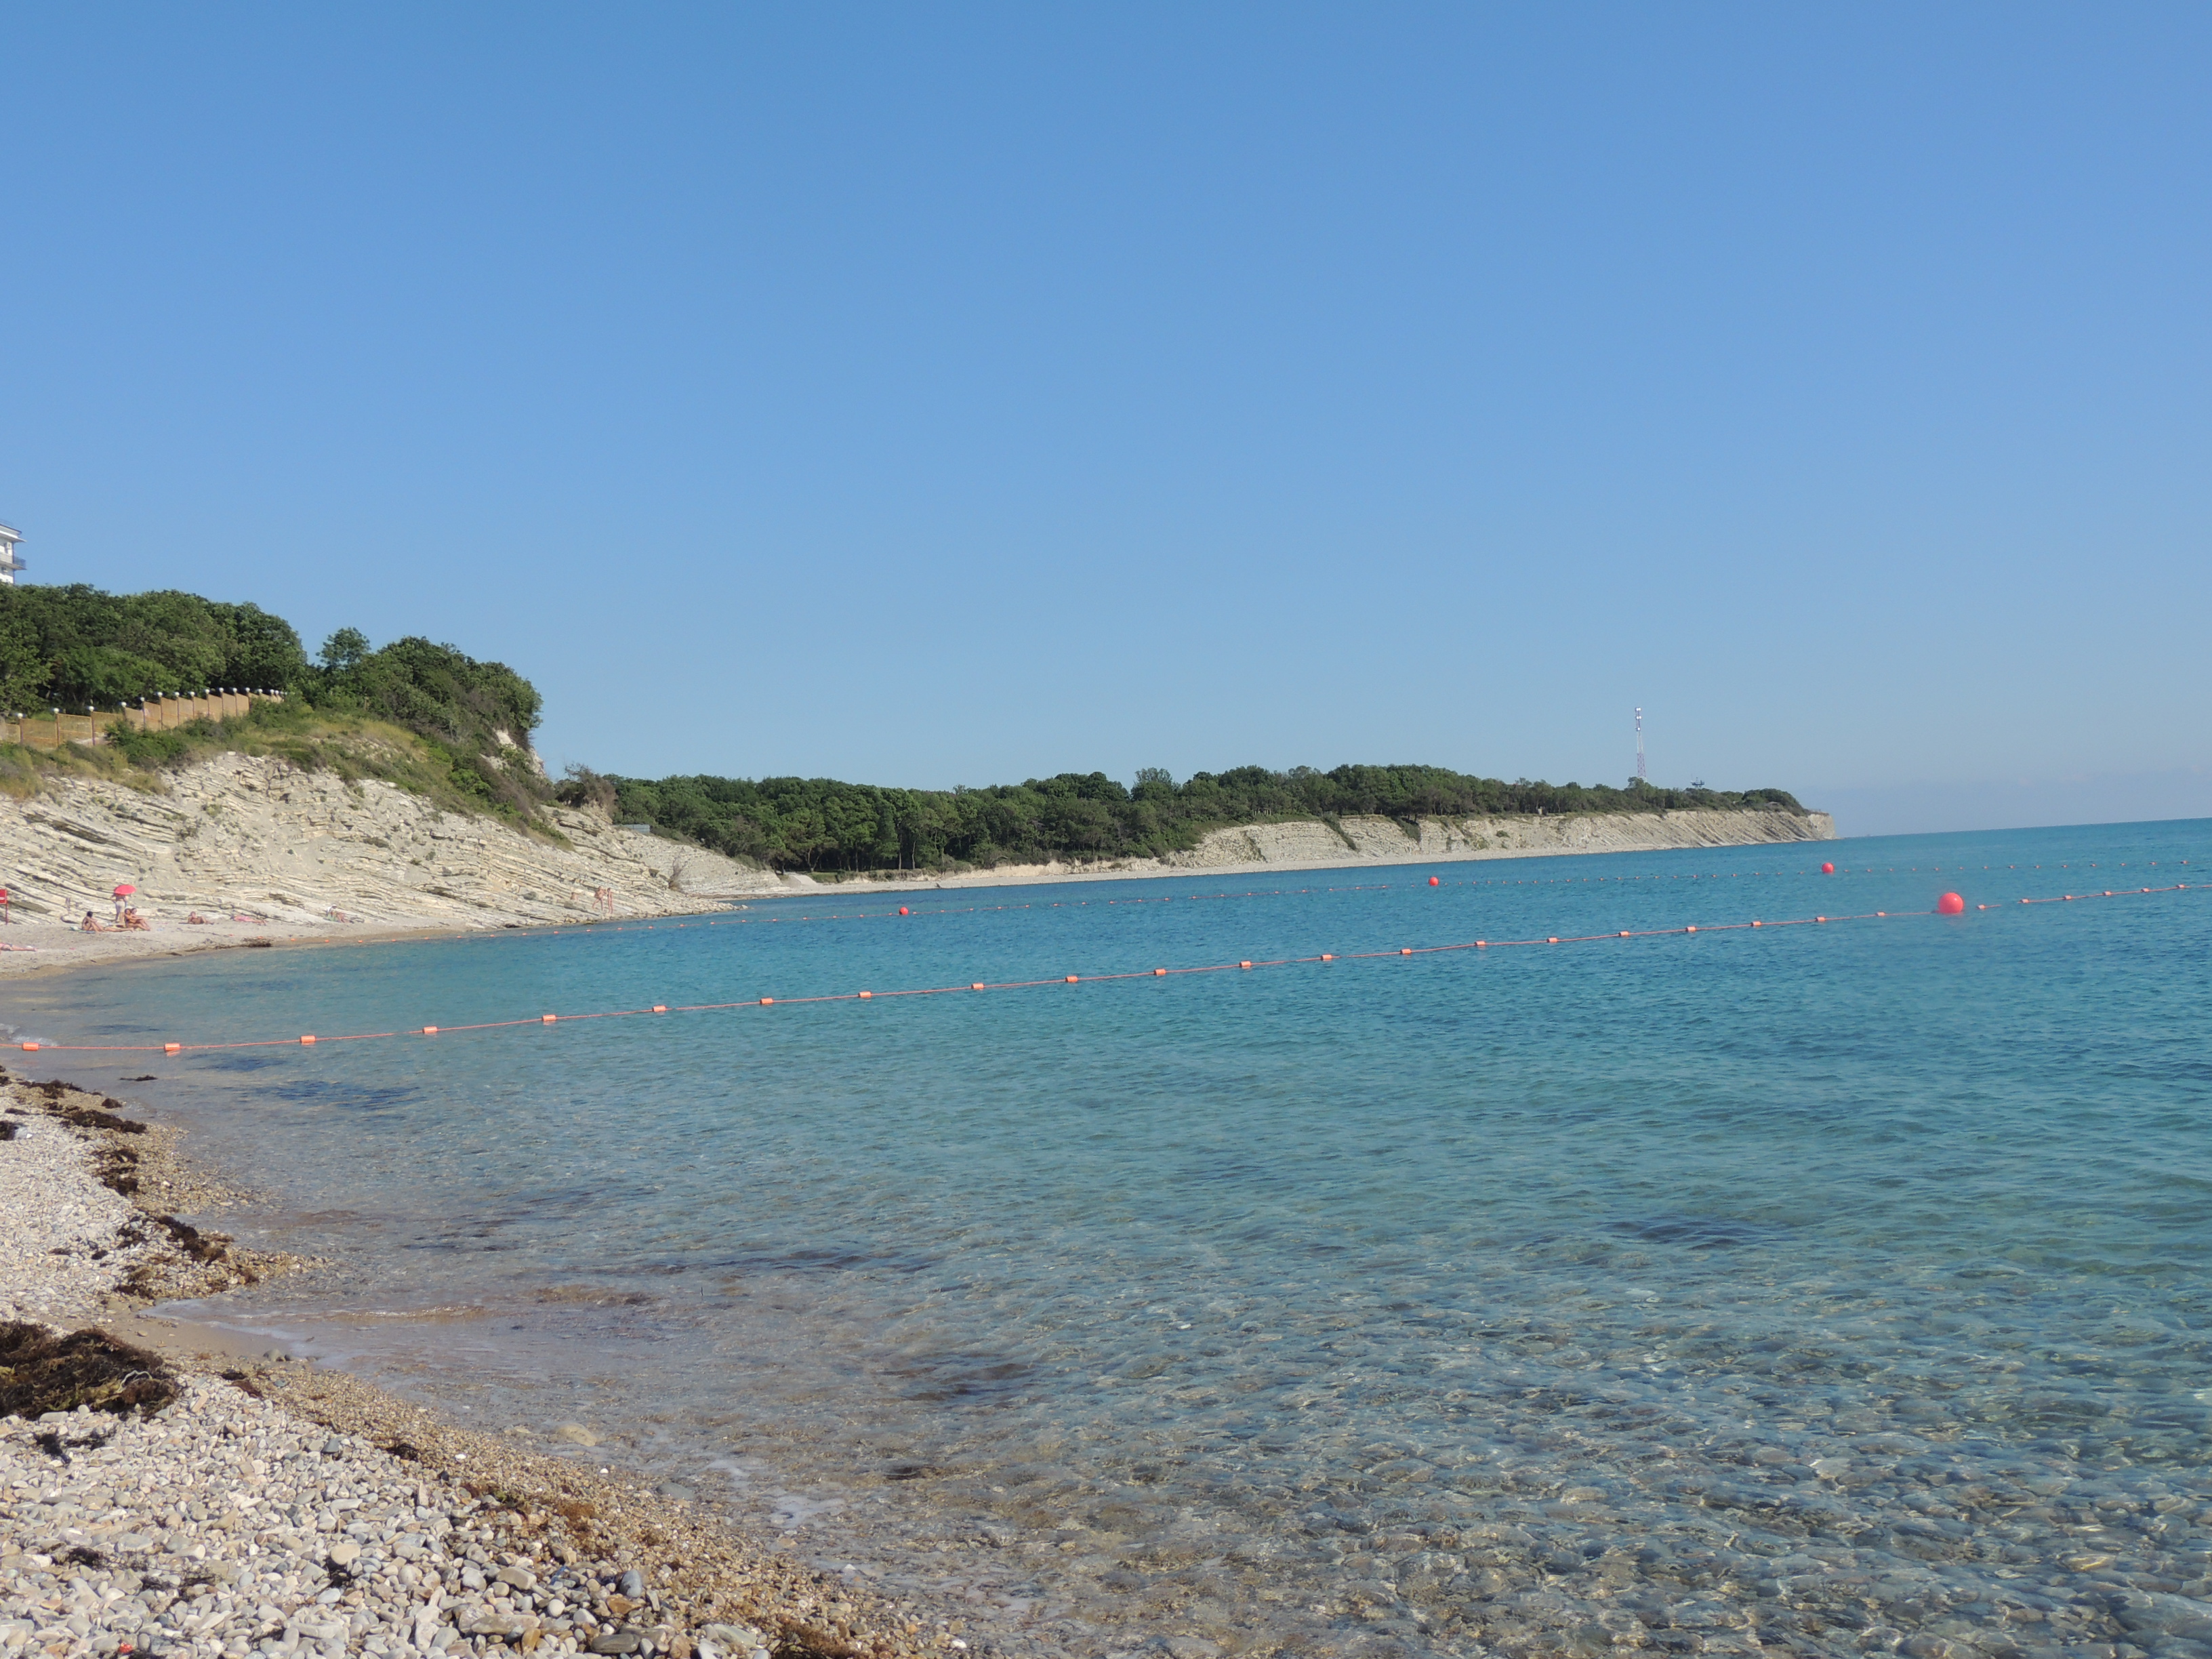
(117, 1168)
(41, 1371)
(196, 1244)
(201, 1247)
(801, 1640)
(106, 1115)
(57, 1448)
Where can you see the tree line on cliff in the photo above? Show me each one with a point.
(820, 824)
(85, 651)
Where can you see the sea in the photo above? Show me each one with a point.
(1832, 1286)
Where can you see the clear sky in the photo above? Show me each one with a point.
(956, 394)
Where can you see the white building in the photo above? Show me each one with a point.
(10, 564)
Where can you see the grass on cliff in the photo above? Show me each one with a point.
(354, 746)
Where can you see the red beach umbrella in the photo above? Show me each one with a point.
(124, 889)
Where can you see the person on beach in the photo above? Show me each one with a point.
(90, 925)
(194, 919)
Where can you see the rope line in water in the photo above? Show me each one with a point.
(1270, 892)
(1069, 979)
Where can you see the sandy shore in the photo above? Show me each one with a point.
(27, 949)
(210, 1500)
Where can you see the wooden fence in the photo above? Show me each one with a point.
(52, 731)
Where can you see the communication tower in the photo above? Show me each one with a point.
(10, 564)
(1640, 745)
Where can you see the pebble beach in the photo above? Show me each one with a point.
(210, 1502)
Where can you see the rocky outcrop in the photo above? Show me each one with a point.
(1312, 843)
(257, 837)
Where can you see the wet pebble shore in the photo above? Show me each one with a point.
(221, 1520)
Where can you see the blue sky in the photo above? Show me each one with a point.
(954, 395)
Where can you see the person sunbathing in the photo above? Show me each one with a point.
(135, 923)
(194, 919)
(90, 926)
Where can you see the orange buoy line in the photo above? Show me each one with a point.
(1827, 869)
(1951, 904)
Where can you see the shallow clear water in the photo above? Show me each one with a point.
(1822, 1285)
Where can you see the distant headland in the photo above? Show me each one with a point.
(399, 788)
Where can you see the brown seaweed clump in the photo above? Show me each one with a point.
(41, 1370)
(88, 1117)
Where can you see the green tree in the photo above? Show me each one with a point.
(343, 652)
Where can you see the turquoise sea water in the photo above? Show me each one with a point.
(1825, 1286)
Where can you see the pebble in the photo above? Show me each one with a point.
(224, 1527)
(57, 1270)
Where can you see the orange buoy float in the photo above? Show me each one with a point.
(1950, 905)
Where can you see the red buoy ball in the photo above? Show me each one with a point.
(1433, 881)
(1827, 869)
(902, 909)
(1950, 905)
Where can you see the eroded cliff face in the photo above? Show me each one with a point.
(1379, 840)
(254, 843)
(258, 837)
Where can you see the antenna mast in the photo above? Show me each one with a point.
(1640, 745)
